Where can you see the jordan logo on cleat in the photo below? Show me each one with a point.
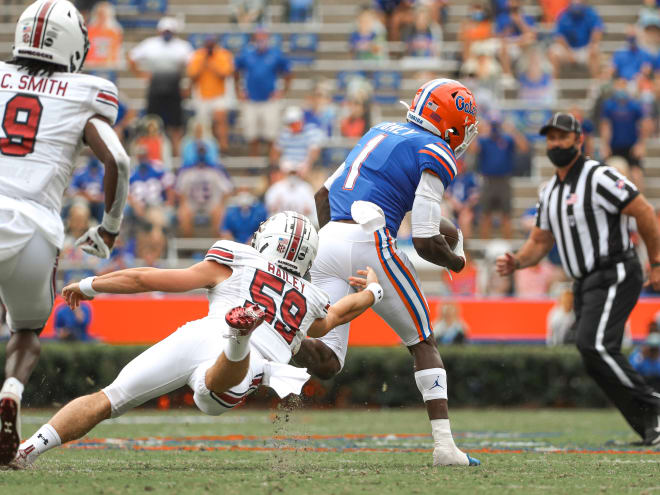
(45, 440)
(436, 384)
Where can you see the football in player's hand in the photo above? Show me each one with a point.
(450, 232)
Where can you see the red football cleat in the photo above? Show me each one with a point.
(244, 319)
(9, 429)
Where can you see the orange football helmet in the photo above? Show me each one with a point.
(447, 109)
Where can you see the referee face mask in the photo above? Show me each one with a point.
(561, 157)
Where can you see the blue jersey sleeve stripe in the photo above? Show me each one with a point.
(448, 157)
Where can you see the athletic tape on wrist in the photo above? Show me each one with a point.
(86, 288)
(111, 224)
(377, 291)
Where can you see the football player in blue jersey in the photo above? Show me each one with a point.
(396, 168)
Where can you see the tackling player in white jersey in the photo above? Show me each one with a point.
(225, 356)
(47, 113)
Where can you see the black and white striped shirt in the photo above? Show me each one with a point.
(583, 212)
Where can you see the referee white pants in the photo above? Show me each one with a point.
(183, 359)
(345, 248)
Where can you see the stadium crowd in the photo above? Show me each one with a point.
(209, 97)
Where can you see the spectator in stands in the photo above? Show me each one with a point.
(105, 39)
(291, 193)
(536, 84)
(162, 60)
(482, 73)
(368, 42)
(645, 359)
(462, 196)
(320, 110)
(579, 31)
(126, 121)
(356, 122)
(208, 68)
(496, 148)
(121, 257)
(149, 186)
(261, 66)
(198, 145)
(300, 10)
(423, 38)
(450, 327)
(552, 8)
(88, 185)
(560, 325)
(78, 263)
(151, 139)
(73, 324)
(516, 32)
(395, 15)
(624, 129)
(248, 12)
(649, 14)
(477, 29)
(245, 212)
(632, 60)
(298, 143)
(202, 190)
(151, 239)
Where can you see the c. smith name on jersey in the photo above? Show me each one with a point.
(31, 83)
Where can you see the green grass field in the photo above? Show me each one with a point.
(340, 451)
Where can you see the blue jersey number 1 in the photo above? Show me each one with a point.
(354, 171)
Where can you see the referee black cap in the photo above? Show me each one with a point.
(563, 121)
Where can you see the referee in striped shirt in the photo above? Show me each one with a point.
(587, 209)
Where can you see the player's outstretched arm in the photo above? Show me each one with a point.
(204, 274)
(351, 306)
(105, 144)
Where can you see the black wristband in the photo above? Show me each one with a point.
(655, 265)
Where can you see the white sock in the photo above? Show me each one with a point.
(237, 348)
(13, 386)
(43, 440)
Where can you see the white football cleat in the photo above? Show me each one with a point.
(10, 426)
(452, 456)
(25, 457)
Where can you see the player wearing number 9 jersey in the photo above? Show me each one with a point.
(221, 363)
(47, 113)
(396, 168)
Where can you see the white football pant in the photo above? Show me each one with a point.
(345, 248)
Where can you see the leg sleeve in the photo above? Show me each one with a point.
(165, 366)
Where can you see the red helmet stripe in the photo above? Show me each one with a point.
(297, 237)
(39, 28)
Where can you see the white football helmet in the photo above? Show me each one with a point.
(289, 240)
(52, 31)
